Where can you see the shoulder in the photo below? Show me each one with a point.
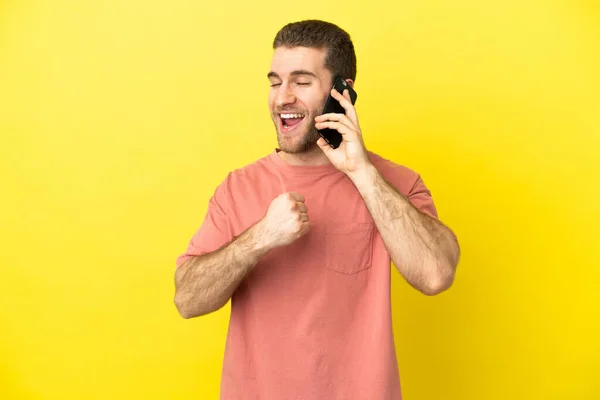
(250, 173)
(406, 181)
(401, 176)
(243, 178)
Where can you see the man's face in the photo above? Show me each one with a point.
(300, 84)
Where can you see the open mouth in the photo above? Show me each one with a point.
(290, 121)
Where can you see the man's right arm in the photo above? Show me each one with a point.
(205, 283)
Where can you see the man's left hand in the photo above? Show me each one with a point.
(351, 156)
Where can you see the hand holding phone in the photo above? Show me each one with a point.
(332, 136)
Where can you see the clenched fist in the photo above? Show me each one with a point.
(286, 220)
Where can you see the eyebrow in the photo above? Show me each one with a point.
(293, 73)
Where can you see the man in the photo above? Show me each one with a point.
(301, 242)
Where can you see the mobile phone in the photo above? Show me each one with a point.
(332, 136)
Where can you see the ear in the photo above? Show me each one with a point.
(350, 83)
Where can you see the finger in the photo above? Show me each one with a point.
(323, 145)
(305, 227)
(296, 197)
(336, 117)
(346, 95)
(346, 104)
(304, 217)
(345, 131)
(302, 207)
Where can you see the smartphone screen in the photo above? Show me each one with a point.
(331, 136)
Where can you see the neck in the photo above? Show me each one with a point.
(314, 156)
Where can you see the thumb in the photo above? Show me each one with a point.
(324, 145)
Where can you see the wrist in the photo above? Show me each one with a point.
(260, 241)
(364, 177)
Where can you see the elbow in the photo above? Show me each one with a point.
(442, 274)
(188, 310)
(439, 281)
(183, 308)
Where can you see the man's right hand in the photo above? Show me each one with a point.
(286, 220)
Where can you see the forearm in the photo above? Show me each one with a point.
(204, 284)
(422, 248)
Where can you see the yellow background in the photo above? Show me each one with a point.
(119, 118)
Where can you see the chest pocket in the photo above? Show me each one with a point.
(349, 247)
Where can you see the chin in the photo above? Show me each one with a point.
(297, 145)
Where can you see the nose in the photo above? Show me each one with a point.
(285, 96)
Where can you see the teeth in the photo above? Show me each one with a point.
(288, 116)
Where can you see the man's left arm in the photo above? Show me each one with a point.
(423, 249)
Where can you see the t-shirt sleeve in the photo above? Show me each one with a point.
(214, 232)
(420, 197)
(410, 184)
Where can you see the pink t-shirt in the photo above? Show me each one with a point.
(312, 320)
